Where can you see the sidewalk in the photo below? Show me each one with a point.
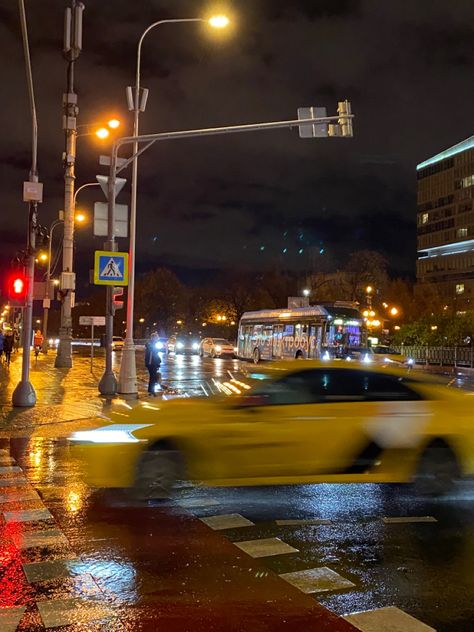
(62, 394)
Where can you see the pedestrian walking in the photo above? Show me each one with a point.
(38, 341)
(8, 347)
(16, 340)
(152, 362)
(2, 340)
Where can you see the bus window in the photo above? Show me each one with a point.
(277, 351)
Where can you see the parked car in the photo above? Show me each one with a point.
(391, 356)
(298, 423)
(117, 343)
(183, 343)
(216, 348)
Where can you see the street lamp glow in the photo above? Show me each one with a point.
(394, 311)
(43, 257)
(142, 320)
(219, 21)
(102, 133)
(306, 292)
(368, 289)
(80, 217)
(113, 123)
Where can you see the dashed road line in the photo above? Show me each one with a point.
(391, 618)
(227, 521)
(316, 580)
(407, 519)
(265, 547)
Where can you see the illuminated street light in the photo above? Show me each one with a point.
(142, 320)
(179, 322)
(369, 289)
(394, 311)
(102, 133)
(113, 123)
(80, 217)
(219, 21)
(306, 292)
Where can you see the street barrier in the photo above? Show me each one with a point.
(462, 356)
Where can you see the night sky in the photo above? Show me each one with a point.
(255, 200)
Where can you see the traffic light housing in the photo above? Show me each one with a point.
(345, 123)
(17, 290)
(117, 292)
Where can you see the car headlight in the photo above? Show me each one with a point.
(195, 345)
(115, 433)
(235, 349)
(159, 345)
(367, 359)
(388, 360)
(51, 342)
(179, 345)
(218, 348)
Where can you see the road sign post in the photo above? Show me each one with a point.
(92, 321)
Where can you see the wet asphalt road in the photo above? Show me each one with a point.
(424, 568)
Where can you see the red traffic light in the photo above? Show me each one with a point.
(17, 290)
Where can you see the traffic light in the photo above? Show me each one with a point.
(344, 110)
(17, 290)
(117, 292)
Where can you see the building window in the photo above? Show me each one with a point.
(459, 288)
(425, 217)
(462, 232)
(467, 182)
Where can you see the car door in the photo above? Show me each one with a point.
(284, 429)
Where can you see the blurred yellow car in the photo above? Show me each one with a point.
(299, 423)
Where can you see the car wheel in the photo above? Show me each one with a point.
(158, 471)
(256, 356)
(437, 470)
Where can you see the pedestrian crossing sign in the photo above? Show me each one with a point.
(110, 268)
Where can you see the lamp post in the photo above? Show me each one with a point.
(127, 383)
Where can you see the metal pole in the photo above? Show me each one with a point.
(72, 49)
(108, 381)
(24, 393)
(92, 346)
(127, 383)
(48, 282)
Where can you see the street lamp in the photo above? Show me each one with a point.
(137, 103)
(306, 292)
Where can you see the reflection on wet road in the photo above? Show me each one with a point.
(70, 555)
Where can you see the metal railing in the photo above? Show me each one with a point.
(462, 356)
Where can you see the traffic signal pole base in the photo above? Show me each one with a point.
(64, 357)
(24, 395)
(127, 384)
(108, 384)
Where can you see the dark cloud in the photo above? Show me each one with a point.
(228, 201)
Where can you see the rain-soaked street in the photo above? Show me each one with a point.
(214, 559)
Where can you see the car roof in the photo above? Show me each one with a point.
(279, 368)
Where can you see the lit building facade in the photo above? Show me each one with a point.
(445, 225)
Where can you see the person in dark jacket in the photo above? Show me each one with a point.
(8, 346)
(152, 362)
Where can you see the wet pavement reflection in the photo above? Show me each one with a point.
(100, 561)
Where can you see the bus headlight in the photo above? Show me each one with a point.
(159, 344)
(410, 361)
(195, 346)
(179, 345)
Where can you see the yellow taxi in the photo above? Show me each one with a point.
(290, 423)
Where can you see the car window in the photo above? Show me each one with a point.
(334, 385)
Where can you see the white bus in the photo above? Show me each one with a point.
(317, 331)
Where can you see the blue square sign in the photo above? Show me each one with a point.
(110, 268)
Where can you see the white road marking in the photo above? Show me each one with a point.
(389, 619)
(59, 612)
(408, 519)
(315, 580)
(10, 618)
(27, 515)
(226, 521)
(265, 547)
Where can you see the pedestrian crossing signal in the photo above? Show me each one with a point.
(17, 290)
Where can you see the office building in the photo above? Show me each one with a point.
(445, 225)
